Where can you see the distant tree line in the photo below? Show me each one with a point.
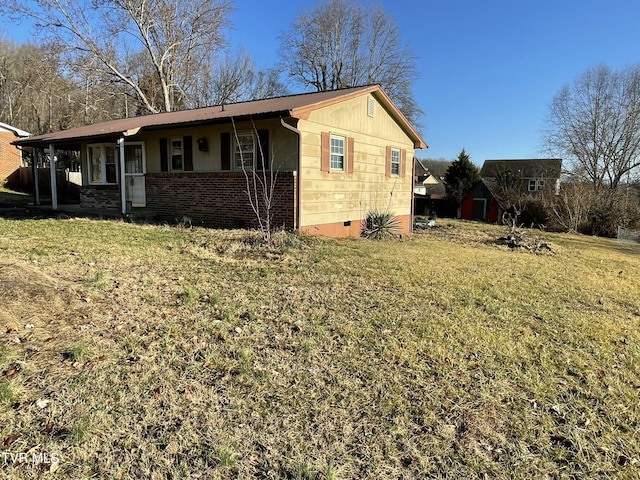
(107, 59)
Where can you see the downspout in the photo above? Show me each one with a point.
(123, 198)
(299, 137)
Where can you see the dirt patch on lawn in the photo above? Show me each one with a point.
(30, 296)
(523, 239)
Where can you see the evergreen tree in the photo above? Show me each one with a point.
(460, 177)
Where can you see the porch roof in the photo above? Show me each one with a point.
(292, 106)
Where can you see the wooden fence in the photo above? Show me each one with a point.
(68, 183)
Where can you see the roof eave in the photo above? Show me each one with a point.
(418, 141)
(45, 140)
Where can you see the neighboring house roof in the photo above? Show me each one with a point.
(424, 176)
(16, 131)
(421, 170)
(525, 168)
(295, 106)
(430, 180)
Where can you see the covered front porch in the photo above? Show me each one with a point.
(112, 176)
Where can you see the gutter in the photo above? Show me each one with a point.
(298, 183)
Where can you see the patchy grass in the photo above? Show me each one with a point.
(136, 351)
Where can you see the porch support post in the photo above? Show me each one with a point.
(123, 197)
(36, 176)
(54, 183)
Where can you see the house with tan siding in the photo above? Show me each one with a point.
(334, 156)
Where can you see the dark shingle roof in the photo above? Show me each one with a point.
(525, 168)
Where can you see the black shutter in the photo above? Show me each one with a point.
(225, 151)
(164, 160)
(188, 153)
(263, 151)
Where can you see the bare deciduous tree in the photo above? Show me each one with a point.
(261, 179)
(594, 124)
(236, 79)
(343, 44)
(571, 207)
(156, 48)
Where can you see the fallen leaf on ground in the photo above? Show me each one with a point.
(10, 439)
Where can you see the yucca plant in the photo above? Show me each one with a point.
(380, 224)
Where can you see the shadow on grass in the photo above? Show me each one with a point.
(10, 198)
(16, 205)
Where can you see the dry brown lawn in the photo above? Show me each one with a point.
(139, 351)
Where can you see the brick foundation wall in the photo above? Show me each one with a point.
(352, 229)
(100, 196)
(216, 199)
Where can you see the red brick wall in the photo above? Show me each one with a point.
(100, 197)
(10, 156)
(216, 199)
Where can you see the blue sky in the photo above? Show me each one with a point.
(488, 69)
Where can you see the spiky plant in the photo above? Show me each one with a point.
(380, 224)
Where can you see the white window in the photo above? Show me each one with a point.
(337, 153)
(245, 151)
(103, 164)
(176, 153)
(395, 162)
(536, 184)
(134, 156)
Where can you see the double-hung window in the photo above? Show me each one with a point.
(395, 162)
(245, 151)
(176, 153)
(103, 160)
(337, 153)
(536, 184)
